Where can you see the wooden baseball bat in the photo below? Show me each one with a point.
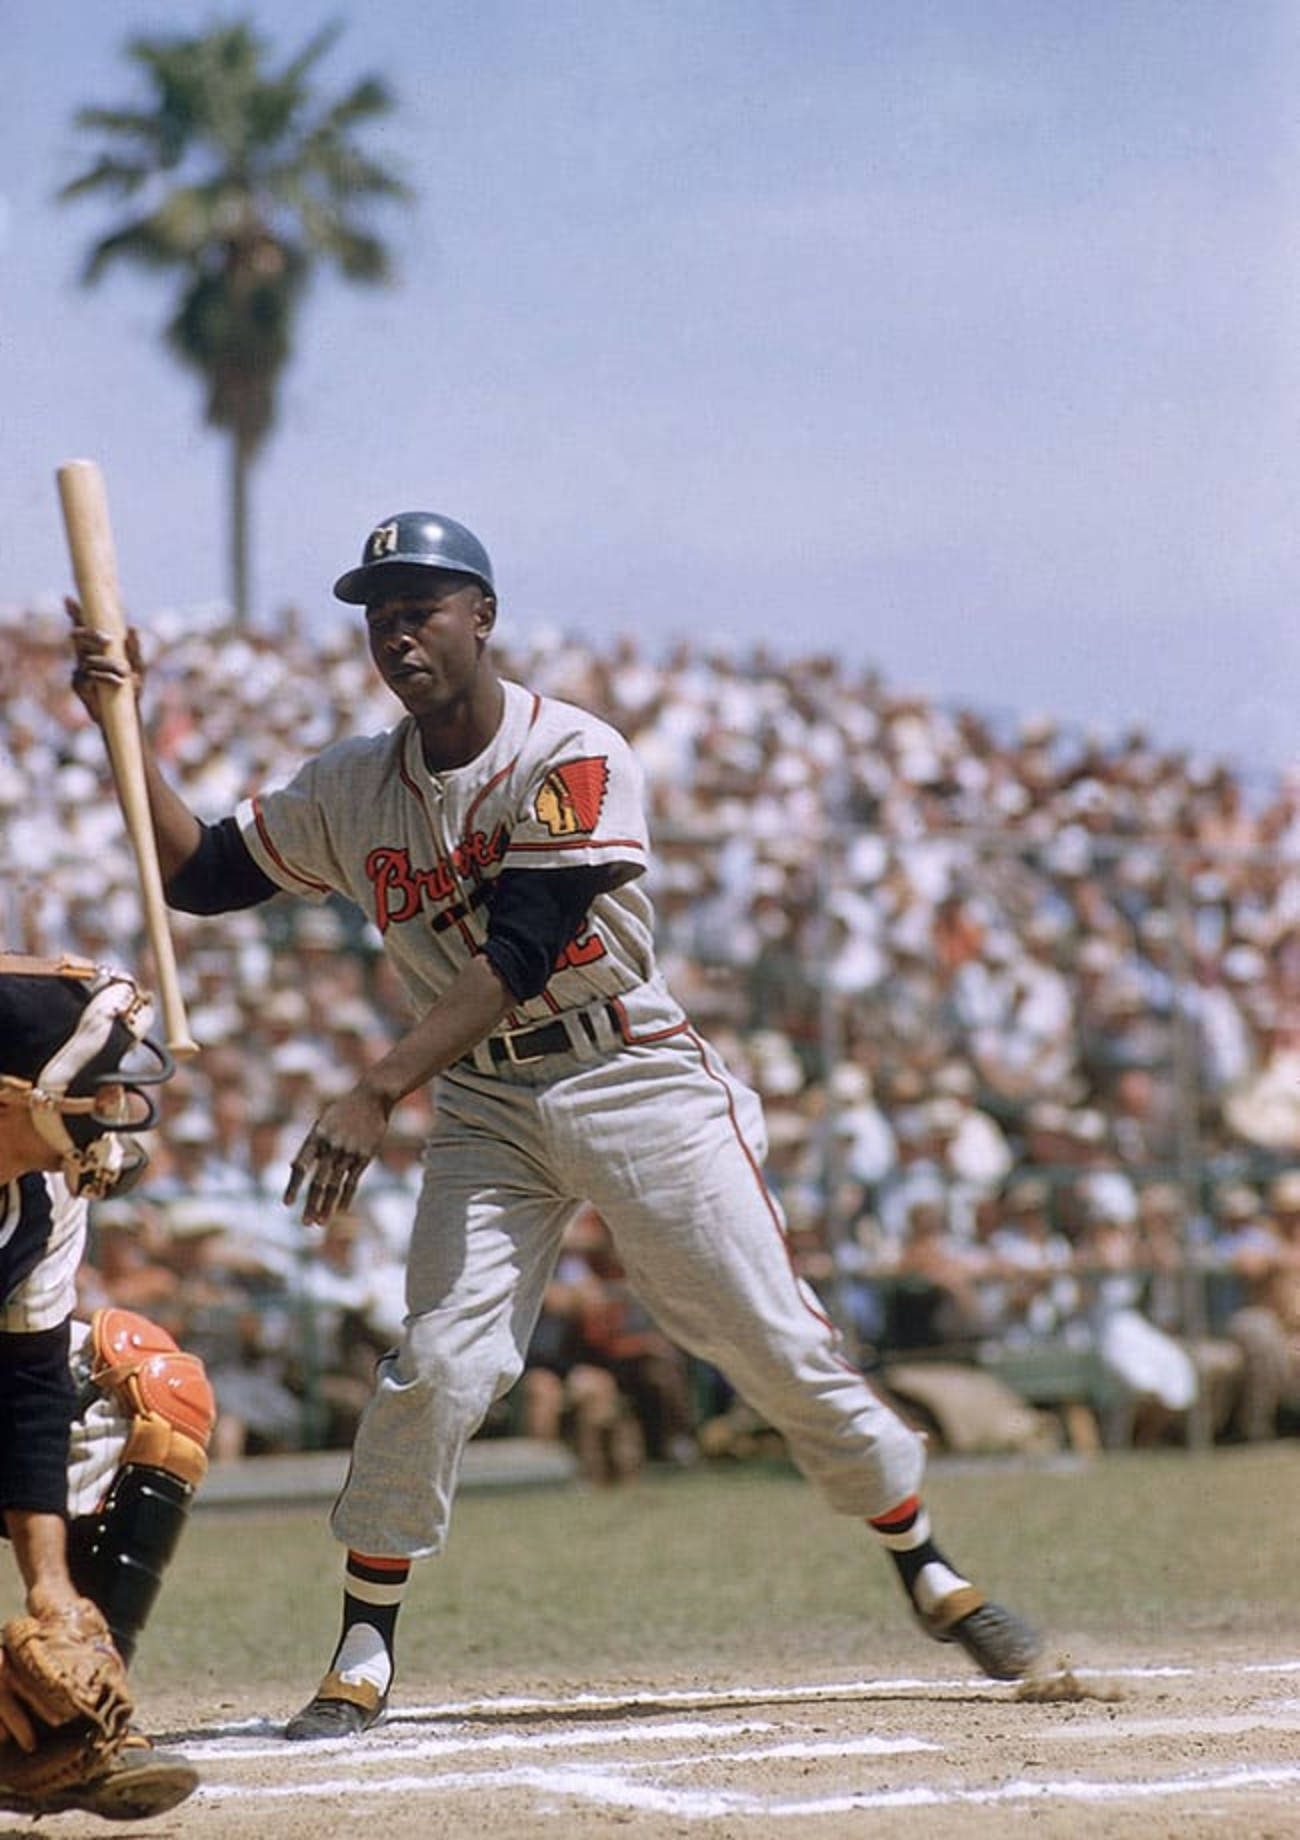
(94, 564)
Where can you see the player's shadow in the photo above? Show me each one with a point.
(405, 1721)
(181, 1735)
(649, 1706)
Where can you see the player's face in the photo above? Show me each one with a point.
(427, 643)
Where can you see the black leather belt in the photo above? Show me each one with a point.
(522, 1046)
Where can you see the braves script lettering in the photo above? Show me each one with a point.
(401, 891)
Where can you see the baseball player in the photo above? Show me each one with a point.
(497, 838)
(103, 1425)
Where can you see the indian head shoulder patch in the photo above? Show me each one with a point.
(570, 798)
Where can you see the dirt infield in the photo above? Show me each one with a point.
(1165, 1750)
(714, 1657)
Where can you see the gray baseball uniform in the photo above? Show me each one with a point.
(598, 1090)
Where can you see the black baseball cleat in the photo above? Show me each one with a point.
(1000, 1643)
(338, 1709)
(139, 1782)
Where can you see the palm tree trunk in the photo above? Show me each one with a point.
(240, 459)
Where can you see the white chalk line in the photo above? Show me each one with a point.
(621, 1784)
(375, 1756)
(701, 1804)
(794, 1750)
(385, 1744)
(719, 1698)
(868, 1688)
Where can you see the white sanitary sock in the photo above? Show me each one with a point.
(363, 1656)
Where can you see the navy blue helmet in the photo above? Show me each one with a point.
(407, 542)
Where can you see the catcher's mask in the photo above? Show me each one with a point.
(74, 1047)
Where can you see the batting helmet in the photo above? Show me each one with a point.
(74, 1048)
(413, 540)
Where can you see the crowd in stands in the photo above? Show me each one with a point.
(1023, 1005)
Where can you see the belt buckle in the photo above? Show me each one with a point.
(513, 1056)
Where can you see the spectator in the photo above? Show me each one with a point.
(618, 1334)
(352, 1292)
(235, 1317)
(1264, 1109)
(866, 1138)
(1046, 960)
(975, 1154)
(1263, 1250)
(127, 1260)
(259, 1222)
(1225, 1037)
(1156, 1371)
(919, 1177)
(566, 1391)
(1176, 1257)
(1038, 1299)
(937, 1297)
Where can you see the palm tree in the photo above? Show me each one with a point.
(245, 185)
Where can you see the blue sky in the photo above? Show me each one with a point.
(959, 338)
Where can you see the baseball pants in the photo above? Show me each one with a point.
(667, 1147)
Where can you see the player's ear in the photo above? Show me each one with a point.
(485, 615)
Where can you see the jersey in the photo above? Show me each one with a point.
(42, 1238)
(419, 851)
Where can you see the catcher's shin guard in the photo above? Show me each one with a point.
(144, 1429)
(118, 1555)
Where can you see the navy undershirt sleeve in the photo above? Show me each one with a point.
(535, 913)
(37, 1401)
(221, 875)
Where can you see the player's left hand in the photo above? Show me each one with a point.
(334, 1153)
(60, 1662)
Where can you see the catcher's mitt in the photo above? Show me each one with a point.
(63, 1666)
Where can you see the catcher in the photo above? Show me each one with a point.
(103, 1426)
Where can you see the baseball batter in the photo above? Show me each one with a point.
(497, 839)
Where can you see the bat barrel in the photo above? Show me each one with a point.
(84, 499)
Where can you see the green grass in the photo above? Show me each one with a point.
(743, 1570)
